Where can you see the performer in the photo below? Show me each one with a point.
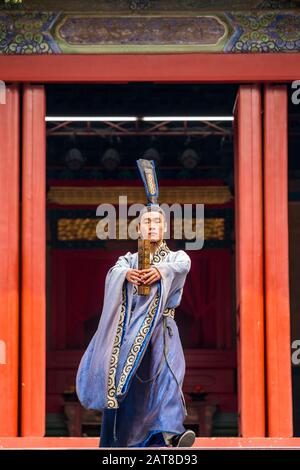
(134, 366)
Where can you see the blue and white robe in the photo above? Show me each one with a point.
(134, 366)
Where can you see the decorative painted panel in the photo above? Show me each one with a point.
(149, 29)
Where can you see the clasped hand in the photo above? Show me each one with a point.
(144, 277)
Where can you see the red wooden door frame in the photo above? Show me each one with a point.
(277, 311)
(171, 68)
(33, 312)
(249, 261)
(196, 67)
(9, 262)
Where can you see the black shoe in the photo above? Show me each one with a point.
(186, 439)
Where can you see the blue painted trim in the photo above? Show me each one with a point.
(126, 314)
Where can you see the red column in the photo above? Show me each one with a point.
(249, 261)
(278, 349)
(9, 262)
(33, 263)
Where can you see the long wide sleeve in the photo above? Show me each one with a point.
(120, 268)
(173, 275)
(95, 371)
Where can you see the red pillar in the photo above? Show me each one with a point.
(9, 262)
(278, 348)
(33, 364)
(249, 261)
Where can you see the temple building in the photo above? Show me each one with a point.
(210, 91)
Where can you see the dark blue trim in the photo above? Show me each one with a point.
(155, 437)
(126, 312)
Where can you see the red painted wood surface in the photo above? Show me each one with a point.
(195, 67)
(278, 353)
(249, 260)
(33, 351)
(9, 262)
(200, 442)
